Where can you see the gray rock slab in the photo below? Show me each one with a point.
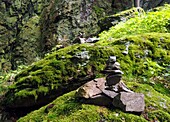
(100, 83)
(110, 93)
(100, 99)
(130, 102)
(90, 89)
(122, 87)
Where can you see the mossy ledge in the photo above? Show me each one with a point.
(58, 73)
(70, 67)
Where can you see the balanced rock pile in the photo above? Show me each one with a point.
(111, 91)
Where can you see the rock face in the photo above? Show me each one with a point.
(112, 91)
(64, 20)
(146, 4)
(19, 31)
(28, 29)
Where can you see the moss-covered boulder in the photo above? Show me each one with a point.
(67, 109)
(58, 73)
(68, 68)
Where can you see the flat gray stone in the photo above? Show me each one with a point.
(110, 93)
(91, 88)
(130, 102)
(100, 83)
(116, 66)
(100, 99)
(121, 87)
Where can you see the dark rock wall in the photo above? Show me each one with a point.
(19, 24)
(64, 20)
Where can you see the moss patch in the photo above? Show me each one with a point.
(74, 63)
(66, 108)
(157, 21)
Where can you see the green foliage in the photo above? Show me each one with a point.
(7, 78)
(151, 22)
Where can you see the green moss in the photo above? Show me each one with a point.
(57, 69)
(60, 68)
(26, 93)
(160, 116)
(151, 22)
(42, 89)
(66, 108)
(162, 88)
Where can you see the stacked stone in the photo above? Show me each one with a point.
(114, 74)
(111, 91)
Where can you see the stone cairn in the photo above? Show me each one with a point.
(111, 91)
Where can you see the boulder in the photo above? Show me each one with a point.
(129, 102)
(63, 21)
(48, 79)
